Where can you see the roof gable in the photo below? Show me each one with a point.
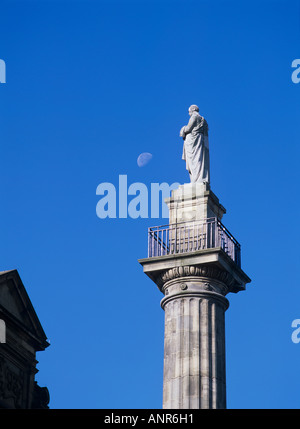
(15, 303)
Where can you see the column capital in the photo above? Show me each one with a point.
(200, 274)
(210, 263)
(195, 287)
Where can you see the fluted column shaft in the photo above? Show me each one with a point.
(194, 345)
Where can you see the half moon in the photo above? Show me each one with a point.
(144, 158)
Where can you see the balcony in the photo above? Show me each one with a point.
(192, 236)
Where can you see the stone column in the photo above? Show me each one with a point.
(194, 345)
(195, 272)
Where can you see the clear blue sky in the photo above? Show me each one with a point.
(91, 85)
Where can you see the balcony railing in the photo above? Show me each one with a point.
(192, 236)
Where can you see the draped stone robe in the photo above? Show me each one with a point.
(196, 148)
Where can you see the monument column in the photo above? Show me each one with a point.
(194, 345)
(195, 262)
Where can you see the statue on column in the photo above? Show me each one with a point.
(196, 147)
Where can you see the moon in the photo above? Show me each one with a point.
(144, 158)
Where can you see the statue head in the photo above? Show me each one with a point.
(193, 108)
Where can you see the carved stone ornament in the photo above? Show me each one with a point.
(194, 271)
(11, 384)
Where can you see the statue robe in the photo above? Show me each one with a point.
(196, 148)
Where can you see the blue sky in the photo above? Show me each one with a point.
(90, 86)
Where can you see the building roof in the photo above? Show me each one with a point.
(16, 307)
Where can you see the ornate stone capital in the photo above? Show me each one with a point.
(203, 271)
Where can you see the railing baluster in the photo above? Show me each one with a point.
(192, 236)
(161, 232)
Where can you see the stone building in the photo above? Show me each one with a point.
(21, 337)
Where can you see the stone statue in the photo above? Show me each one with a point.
(195, 147)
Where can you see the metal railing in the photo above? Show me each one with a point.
(192, 236)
